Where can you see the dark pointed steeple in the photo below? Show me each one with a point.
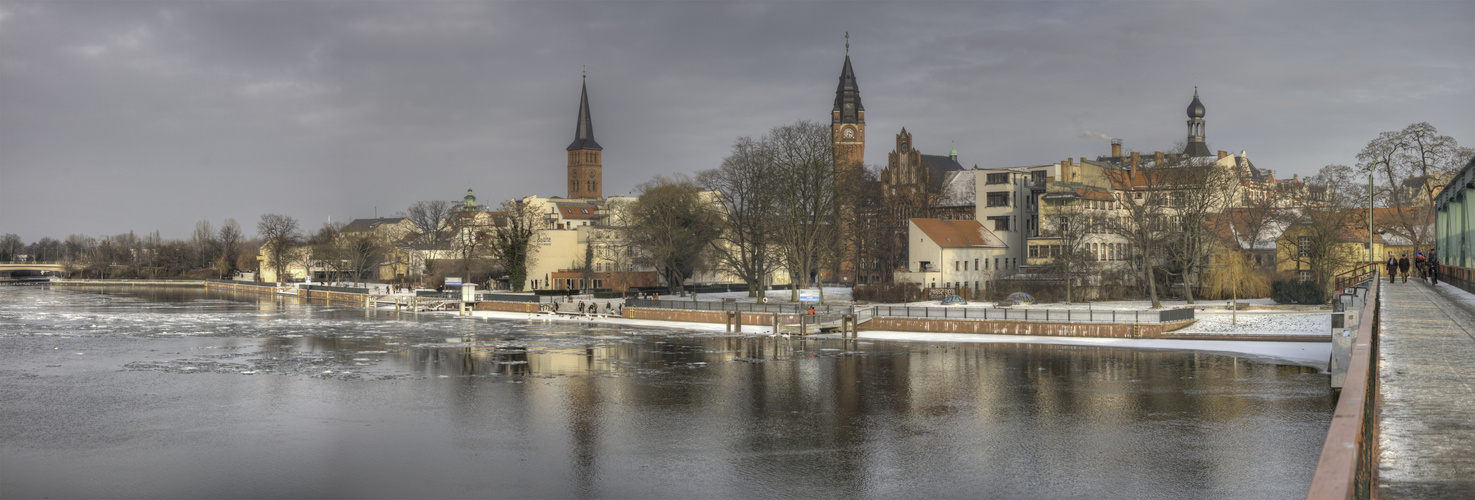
(584, 132)
(847, 96)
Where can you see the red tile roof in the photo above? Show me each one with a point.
(958, 233)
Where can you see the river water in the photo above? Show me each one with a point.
(184, 393)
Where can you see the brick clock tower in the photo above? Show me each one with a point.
(848, 119)
(585, 165)
(848, 134)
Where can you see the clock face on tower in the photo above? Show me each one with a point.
(849, 133)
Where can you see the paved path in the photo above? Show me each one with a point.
(1427, 369)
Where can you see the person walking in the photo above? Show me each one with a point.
(1392, 267)
(1403, 266)
(1433, 267)
(1421, 264)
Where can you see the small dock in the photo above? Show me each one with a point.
(1426, 426)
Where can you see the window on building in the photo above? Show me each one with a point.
(1303, 246)
(1038, 177)
(997, 179)
(1034, 251)
(999, 199)
(1000, 223)
(1305, 276)
(955, 265)
(975, 264)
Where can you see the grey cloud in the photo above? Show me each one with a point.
(163, 113)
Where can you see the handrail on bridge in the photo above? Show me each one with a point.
(1355, 275)
(1348, 463)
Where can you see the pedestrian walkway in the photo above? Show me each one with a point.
(1426, 368)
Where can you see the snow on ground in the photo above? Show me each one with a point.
(1457, 295)
(1261, 323)
(1213, 318)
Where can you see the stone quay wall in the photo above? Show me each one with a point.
(1038, 328)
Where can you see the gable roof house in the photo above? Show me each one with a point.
(952, 254)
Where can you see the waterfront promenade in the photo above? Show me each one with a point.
(1426, 435)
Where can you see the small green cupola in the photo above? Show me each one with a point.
(469, 203)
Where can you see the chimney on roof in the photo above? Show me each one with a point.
(1222, 154)
(1157, 157)
(1116, 148)
(1135, 158)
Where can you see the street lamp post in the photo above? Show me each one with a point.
(1370, 171)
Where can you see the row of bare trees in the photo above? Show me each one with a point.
(1182, 220)
(776, 202)
(208, 253)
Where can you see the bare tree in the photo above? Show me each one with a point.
(10, 247)
(1142, 221)
(282, 236)
(324, 251)
(511, 239)
(745, 188)
(1064, 217)
(1198, 194)
(361, 252)
(1319, 241)
(671, 227)
(808, 198)
(471, 237)
(434, 218)
(229, 239)
(203, 246)
(880, 227)
(1415, 162)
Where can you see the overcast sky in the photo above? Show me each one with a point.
(144, 116)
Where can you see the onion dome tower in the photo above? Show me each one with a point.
(1196, 146)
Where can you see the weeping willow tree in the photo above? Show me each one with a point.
(1233, 274)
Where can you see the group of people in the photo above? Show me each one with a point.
(1427, 267)
(590, 309)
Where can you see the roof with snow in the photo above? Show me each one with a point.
(958, 190)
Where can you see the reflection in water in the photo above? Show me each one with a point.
(402, 405)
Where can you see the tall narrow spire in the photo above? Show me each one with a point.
(847, 95)
(584, 131)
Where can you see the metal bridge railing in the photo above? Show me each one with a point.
(1007, 314)
(1349, 455)
(708, 305)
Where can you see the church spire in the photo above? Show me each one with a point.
(584, 131)
(585, 162)
(847, 96)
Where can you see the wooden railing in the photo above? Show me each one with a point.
(1348, 463)
(1355, 275)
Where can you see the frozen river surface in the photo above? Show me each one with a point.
(183, 393)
